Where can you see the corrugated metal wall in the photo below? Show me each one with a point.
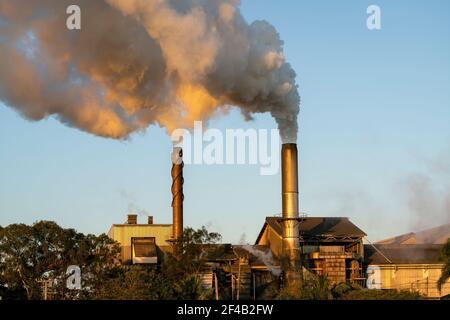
(420, 278)
(124, 233)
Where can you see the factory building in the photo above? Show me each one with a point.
(141, 243)
(290, 245)
(332, 247)
(408, 262)
(328, 246)
(148, 243)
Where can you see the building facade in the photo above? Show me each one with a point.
(408, 262)
(328, 246)
(141, 243)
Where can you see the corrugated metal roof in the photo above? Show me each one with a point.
(402, 254)
(437, 235)
(219, 252)
(317, 227)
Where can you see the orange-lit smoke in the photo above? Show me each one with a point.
(139, 62)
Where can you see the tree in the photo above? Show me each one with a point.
(135, 283)
(21, 259)
(191, 252)
(190, 259)
(43, 251)
(177, 278)
(445, 258)
(191, 288)
(313, 287)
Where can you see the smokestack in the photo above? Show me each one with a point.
(177, 193)
(289, 167)
(289, 182)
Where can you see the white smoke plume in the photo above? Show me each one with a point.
(265, 257)
(137, 63)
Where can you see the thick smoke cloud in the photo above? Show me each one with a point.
(139, 62)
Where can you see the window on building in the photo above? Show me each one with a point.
(144, 251)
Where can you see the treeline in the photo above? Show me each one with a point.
(34, 261)
(315, 287)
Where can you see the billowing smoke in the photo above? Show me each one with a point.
(141, 62)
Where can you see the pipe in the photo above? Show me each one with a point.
(289, 169)
(177, 193)
(289, 182)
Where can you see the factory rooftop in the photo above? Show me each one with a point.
(318, 228)
(402, 254)
(438, 235)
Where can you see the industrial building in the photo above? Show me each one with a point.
(291, 244)
(148, 243)
(408, 262)
(332, 247)
(141, 243)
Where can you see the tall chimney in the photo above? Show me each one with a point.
(177, 193)
(289, 182)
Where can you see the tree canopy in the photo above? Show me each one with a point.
(44, 251)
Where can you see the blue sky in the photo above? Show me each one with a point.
(375, 116)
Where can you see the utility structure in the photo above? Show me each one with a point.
(290, 214)
(177, 193)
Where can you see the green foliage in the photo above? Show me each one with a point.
(341, 289)
(43, 251)
(190, 288)
(270, 291)
(189, 260)
(445, 258)
(134, 283)
(192, 251)
(366, 294)
(346, 291)
(315, 288)
(312, 287)
(318, 288)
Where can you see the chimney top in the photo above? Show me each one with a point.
(150, 219)
(132, 219)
